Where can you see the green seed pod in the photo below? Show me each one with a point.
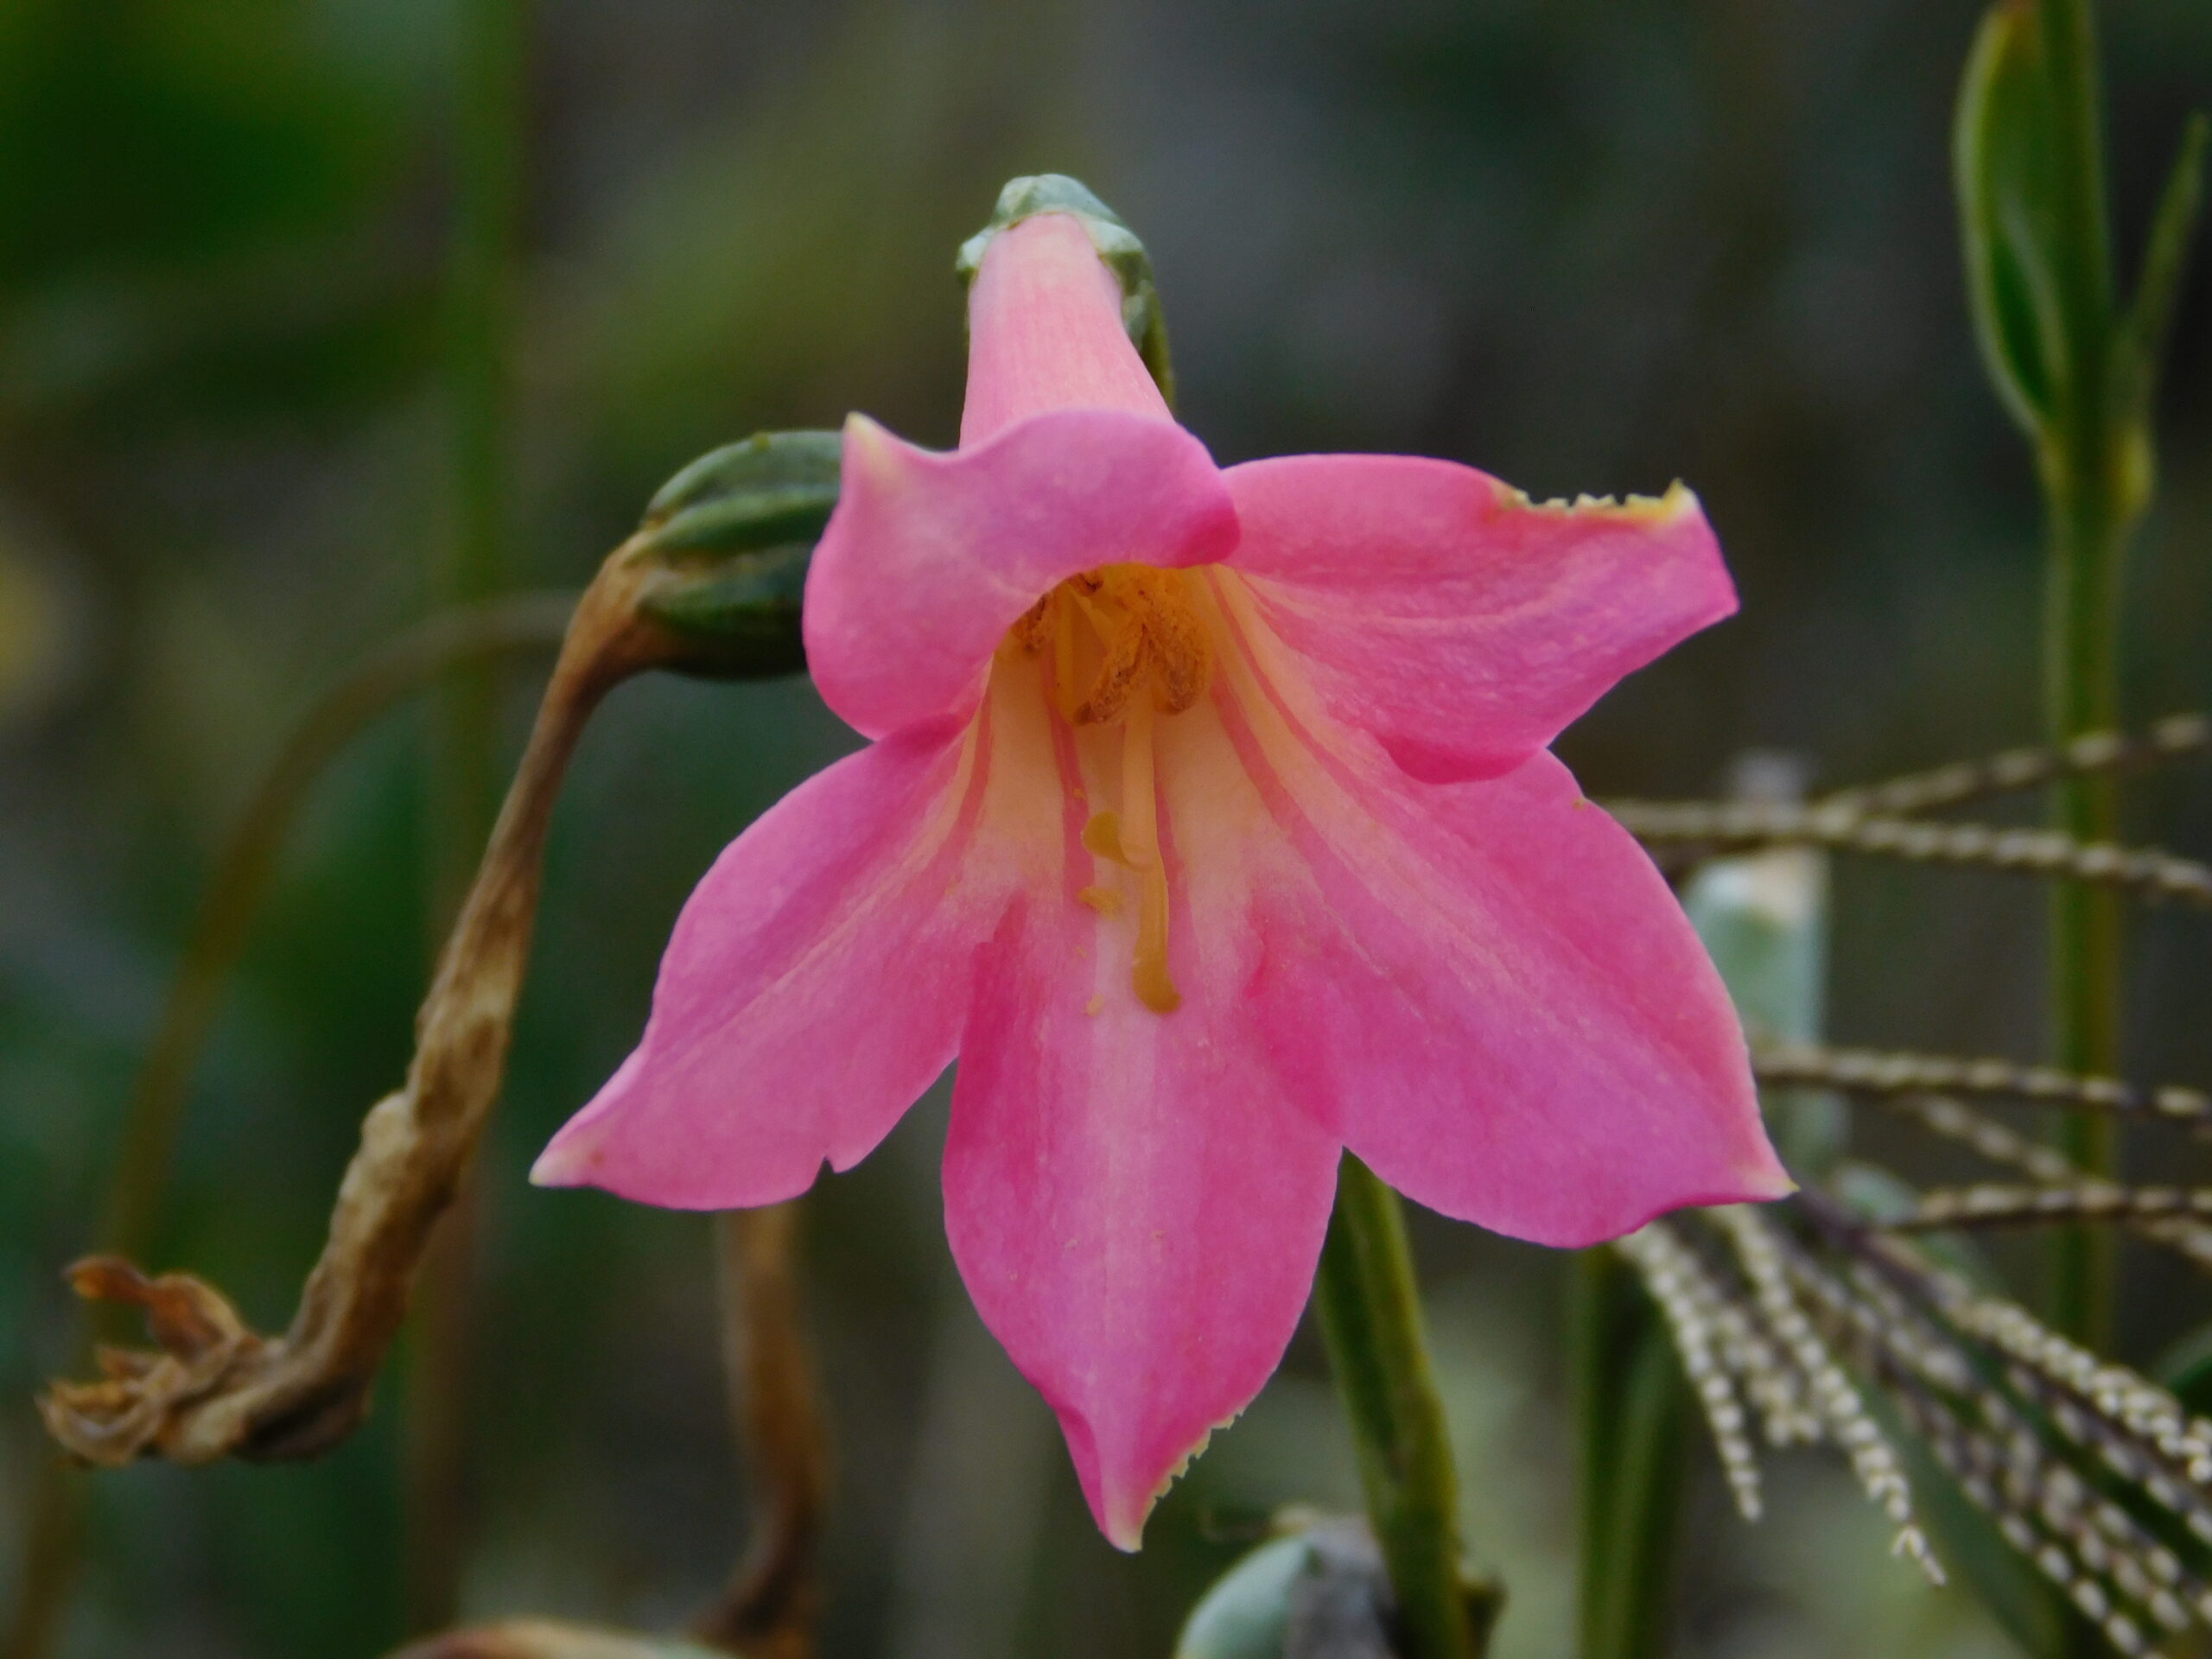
(1118, 245)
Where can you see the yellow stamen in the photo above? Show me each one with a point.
(1149, 975)
(1102, 837)
(1064, 692)
(1147, 651)
(1139, 826)
(1104, 900)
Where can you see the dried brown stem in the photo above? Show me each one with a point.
(1878, 1072)
(546, 1638)
(771, 1606)
(773, 1602)
(215, 1389)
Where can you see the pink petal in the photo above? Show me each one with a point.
(814, 986)
(1134, 1203)
(1487, 985)
(1463, 626)
(930, 558)
(1045, 332)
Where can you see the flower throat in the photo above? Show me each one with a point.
(1125, 645)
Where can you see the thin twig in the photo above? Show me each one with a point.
(1988, 1205)
(2177, 737)
(2173, 1445)
(774, 1599)
(1881, 1072)
(2077, 1539)
(388, 674)
(2148, 874)
(1761, 1250)
(547, 1638)
(1687, 1298)
(2050, 1169)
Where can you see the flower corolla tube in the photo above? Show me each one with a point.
(1208, 822)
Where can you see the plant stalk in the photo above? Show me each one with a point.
(1370, 1319)
(2092, 501)
(1631, 1405)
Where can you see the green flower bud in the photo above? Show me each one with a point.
(1319, 1589)
(729, 538)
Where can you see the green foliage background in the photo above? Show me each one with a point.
(1585, 246)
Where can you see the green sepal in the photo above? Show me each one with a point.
(730, 537)
(1117, 245)
(2001, 156)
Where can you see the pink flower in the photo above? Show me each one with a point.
(1209, 822)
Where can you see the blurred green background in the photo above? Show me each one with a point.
(1587, 246)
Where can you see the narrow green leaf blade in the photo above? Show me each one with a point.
(2000, 153)
(2165, 261)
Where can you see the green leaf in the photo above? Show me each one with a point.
(2165, 262)
(730, 539)
(2002, 160)
(1117, 245)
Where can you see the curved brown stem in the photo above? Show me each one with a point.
(52, 1525)
(774, 1599)
(214, 1388)
(770, 1610)
(548, 1638)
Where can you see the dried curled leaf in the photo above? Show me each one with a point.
(204, 1347)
